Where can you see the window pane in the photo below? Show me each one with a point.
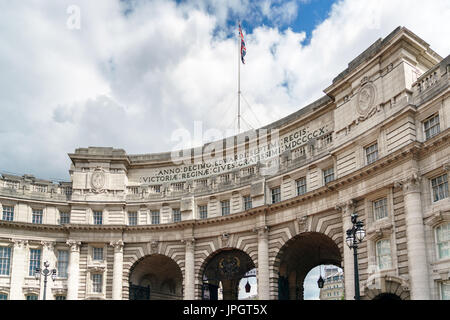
(97, 283)
(440, 187)
(301, 186)
(35, 261)
(63, 263)
(384, 254)
(276, 195)
(225, 207)
(8, 213)
(5, 260)
(97, 253)
(247, 202)
(3, 296)
(132, 218)
(445, 290)
(203, 211)
(176, 215)
(98, 217)
(37, 216)
(443, 241)
(380, 209)
(155, 217)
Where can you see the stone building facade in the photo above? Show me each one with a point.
(144, 227)
(333, 286)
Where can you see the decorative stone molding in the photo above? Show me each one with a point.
(262, 231)
(49, 245)
(117, 245)
(410, 183)
(382, 283)
(74, 245)
(96, 268)
(304, 224)
(154, 246)
(346, 207)
(446, 166)
(18, 243)
(437, 218)
(225, 239)
(98, 180)
(30, 290)
(4, 289)
(189, 243)
(59, 291)
(378, 232)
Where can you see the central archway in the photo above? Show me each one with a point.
(224, 269)
(156, 277)
(298, 257)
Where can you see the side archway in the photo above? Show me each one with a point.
(300, 255)
(224, 268)
(155, 277)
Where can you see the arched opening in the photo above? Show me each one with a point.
(332, 283)
(387, 296)
(156, 277)
(223, 272)
(298, 257)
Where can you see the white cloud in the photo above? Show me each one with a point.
(129, 81)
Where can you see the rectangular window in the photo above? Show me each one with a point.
(97, 283)
(60, 297)
(380, 209)
(327, 139)
(3, 296)
(301, 186)
(8, 213)
(62, 263)
(372, 153)
(132, 218)
(248, 202)
(440, 187)
(431, 127)
(64, 217)
(276, 194)
(155, 217)
(176, 213)
(97, 254)
(133, 190)
(328, 175)
(67, 191)
(443, 241)
(445, 290)
(5, 260)
(299, 152)
(40, 188)
(12, 184)
(31, 297)
(203, 211)
(384, 254)
(35, 261)
(98, 217)
(225, 207)
(37, 216)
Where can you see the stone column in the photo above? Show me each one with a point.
(189, 270)
(73, 270)
(349, 277)
(48, 254)
(415, 233)
(18, 269)
(263, 263)
(117, 270)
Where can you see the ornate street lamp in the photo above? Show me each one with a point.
(45, 273)
(355, 235)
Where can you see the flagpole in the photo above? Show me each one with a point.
(239, 80)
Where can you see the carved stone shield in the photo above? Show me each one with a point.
(365, 99)
(98, 180)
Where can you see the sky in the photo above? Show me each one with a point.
(130, 74)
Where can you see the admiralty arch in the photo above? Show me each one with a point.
(276, 201)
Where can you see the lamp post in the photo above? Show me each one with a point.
(45, 272)
(355, 235)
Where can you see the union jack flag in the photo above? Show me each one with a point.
(243, 49)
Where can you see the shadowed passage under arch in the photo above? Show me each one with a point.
(156, 277)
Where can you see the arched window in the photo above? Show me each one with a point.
(384, 259)
(443, 241)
